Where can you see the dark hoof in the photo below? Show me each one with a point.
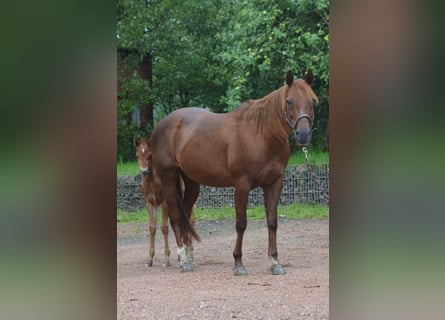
(186, 267)
(149, 263)
(277, 270)
(239, 271)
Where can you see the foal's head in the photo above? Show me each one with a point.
(143, 155)
(299, 107)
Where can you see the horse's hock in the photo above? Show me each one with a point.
(299, 187)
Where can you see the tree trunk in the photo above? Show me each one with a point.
(146, 72)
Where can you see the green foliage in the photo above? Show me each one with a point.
(216, 54)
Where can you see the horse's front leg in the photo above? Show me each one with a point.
(164, 229)
(271, 197)
(153, 215)
(241, 198)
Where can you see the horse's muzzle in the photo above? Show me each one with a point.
(303, 136)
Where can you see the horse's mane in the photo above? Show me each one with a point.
(265, 114)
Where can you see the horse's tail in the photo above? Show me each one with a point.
(187, 229)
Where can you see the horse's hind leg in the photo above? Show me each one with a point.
(271, 198)
(164, 229)
(153, 215)
(192, 221)
(190, 194)
(173, 201)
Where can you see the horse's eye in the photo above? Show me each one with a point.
(289, 104)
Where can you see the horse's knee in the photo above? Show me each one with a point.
(272, 224)
(241, 225)
(152, 231)
(164, 230)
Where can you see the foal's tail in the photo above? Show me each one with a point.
(187, 229)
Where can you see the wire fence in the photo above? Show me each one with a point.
(299, 187)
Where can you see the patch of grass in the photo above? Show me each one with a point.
(130, 168)
(133, 217)
(315, 157)
(294, 211)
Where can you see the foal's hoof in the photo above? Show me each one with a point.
(239, 271)
(186, 267)
(277, 270)
(150, 263)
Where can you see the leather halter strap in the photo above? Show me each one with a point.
(301, 116)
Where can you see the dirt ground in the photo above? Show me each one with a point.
(211, 291)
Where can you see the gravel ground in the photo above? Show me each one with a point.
(211, 291)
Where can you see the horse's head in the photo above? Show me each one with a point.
(299, 107)
(143, 155)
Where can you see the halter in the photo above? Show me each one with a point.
(301, 116)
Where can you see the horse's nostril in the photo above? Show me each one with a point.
(297, 132)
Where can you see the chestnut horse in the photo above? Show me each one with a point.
(151, 190)
(245, 148)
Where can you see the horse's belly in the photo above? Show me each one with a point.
(207, 174)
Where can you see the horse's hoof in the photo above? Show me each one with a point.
(150, 263)
(239, 271)
(277, 270)
(186, 267)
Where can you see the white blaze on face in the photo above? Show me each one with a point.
(140, 166)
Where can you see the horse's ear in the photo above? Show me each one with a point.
(309, 77)
(136, 142)
(147, 140)
(289, 78)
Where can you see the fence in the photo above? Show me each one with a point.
(299, 187)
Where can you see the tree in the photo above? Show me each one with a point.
(216, 54)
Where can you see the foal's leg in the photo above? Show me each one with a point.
(271, 198)
(241, 197)
(164, 229)
(153, 216)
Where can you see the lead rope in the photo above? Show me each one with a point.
(317, 181)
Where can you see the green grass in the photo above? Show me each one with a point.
(131, 168)
(133, 216)
(315, 157)
(294, 211)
